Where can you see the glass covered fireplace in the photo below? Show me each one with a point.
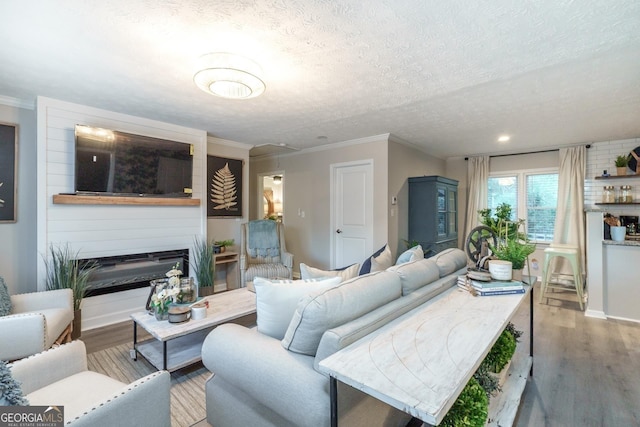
(124, 272)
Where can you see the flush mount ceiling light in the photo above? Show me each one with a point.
(504, 138)
(229, 76)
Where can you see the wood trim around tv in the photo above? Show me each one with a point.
(72, 199)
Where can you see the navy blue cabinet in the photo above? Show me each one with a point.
(433, 213)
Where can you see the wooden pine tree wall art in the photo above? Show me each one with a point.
(224, 178)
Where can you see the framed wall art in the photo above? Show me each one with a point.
(8, 171)
(224, 187)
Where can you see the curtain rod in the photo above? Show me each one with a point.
(528, 152)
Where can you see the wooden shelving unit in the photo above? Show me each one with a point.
(72, 199)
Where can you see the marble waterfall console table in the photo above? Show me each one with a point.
(420, 362)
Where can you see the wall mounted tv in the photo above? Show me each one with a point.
(109, 162)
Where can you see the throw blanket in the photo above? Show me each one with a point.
(263, 238)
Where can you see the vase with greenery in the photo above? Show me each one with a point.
(621, 163)
(513, 244)
(203, 265)
(515, 251)
(65, 270)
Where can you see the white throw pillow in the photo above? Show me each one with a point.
(382, 261)
(307, 272)
(276, 301)
(414, 254)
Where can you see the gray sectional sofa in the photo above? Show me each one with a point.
(263, 381)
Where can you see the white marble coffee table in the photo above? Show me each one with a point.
(176, 345)
(420, 362)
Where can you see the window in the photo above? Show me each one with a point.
(533, 196)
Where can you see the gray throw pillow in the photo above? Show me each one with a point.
(5, 299)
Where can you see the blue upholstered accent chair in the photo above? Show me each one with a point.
(263, 252)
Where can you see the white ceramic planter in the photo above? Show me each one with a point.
(500, 270)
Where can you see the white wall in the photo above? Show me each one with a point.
(107, 230)
(601, 157)
(307, 188)
(18, 253)
(405, 161)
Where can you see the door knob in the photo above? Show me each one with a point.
(338, 231)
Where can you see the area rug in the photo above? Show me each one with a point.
(187, 385)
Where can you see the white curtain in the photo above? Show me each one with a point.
(478, 187)
(569, 225)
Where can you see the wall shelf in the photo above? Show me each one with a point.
(620, 204)
(617, 176)
(73, 199)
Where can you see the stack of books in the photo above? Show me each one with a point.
(494, 287)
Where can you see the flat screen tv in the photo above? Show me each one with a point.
(109, 162)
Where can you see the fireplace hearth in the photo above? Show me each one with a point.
(133, 271)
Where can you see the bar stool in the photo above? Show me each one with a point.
(571, 254)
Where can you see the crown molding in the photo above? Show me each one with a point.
(17, 102)
(228, 143)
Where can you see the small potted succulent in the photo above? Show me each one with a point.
(622, 161)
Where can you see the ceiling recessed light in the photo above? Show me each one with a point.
(504, 138)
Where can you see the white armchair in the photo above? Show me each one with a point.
(59, 376)
(263, 252)
(36, 321)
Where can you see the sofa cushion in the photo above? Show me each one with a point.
(307, 272)
(276, 301)
(5, 299)
(366, 264)
(327, 309)
(414, 254)
(450, 260)
(382, 261)
(66, 392)
(416, 274)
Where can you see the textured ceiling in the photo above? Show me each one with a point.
(449, 76)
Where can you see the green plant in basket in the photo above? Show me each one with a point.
(501, 352)
(470, 409)
(623, 161)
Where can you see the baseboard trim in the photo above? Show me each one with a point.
(596, 314)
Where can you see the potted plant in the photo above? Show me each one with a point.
(501, 223)
(220, 245)
(513, 245)
(64, 270)
(203, 265)
(622, 161)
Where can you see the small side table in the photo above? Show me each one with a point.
(227, 269)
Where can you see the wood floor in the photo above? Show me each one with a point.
(586, 370)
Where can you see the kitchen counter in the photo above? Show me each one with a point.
(612, 274)
(625, 243)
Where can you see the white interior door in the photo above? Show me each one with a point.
(351, 212)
